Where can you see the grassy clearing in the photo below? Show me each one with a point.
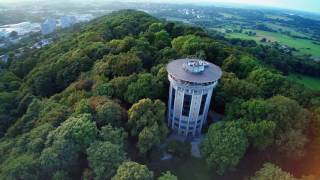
(307, 81)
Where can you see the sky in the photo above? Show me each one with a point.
(303, 5)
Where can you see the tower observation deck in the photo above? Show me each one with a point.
(191, 85)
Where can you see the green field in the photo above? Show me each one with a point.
(303, 45)
(278, 27)
(309, 82)
(228, 15)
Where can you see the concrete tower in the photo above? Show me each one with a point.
(191, 84)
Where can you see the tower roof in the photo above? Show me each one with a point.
(194, 70)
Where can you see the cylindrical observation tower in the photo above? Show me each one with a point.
(191, 84)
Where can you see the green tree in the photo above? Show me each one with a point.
(110, 113)
(252, 110)
(120, 85)
(133, 171)
(104, 158)
(156, 27)
(146, 86)
(83, 107)
(272, 172)
(290, 121)
(261, 133)
(200, 47)
(114, 135)
(147, 122)
(105, 89)
(149, 137)
(162, 39)
(224, 145)
(241, 66)
(119, 65)
(42, 82)
(269, 82)
(65, 143)
(25, 166)
(231, 88)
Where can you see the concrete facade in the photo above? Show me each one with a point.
(189, 96)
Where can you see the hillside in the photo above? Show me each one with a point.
(92, 103)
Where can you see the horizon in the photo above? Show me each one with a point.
(312, 6)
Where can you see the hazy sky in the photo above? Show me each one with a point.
(305, 5)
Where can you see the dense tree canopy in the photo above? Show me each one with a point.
(119, 65)
(285, 116)
(78, 107)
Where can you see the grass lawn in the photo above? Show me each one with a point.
(309, 82)
(303, 45)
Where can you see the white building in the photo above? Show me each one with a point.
(191, 85)
(48, 26)
(67, 21)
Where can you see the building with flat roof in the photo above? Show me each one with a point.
(191, 85)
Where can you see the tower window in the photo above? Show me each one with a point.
(203, 103)
(173, 97)
(186, 105)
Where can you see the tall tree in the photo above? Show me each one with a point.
(147, 122)
(224, 145)
(65, 143)
(104, 158)
(110, 113)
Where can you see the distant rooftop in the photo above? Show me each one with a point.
(194, 70)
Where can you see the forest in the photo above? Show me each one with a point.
(92, 105)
